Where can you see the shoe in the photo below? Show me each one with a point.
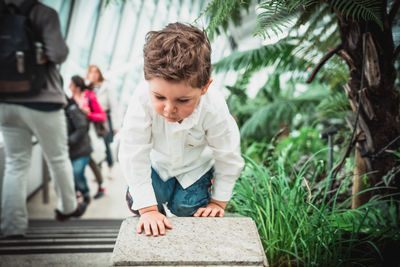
(80, 210)
(86, 199)
(100, 193)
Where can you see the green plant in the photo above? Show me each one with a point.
(306, 143)
(297, 229)
(334, 29)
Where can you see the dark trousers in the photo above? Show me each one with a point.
(108, 140)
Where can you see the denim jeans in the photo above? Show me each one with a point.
(18, 124)
(79, 166)
(181, 202)
(108, 140)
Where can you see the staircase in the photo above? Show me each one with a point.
(71, 243)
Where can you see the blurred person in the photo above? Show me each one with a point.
(87, 101)
(42, 116)
(78, 137)
(108, 101)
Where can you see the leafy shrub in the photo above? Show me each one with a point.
(297, 229)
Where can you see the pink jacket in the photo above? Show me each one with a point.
(96, 114)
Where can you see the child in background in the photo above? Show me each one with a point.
(79, 146)
(180, 146)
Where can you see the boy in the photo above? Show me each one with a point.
(179, 144)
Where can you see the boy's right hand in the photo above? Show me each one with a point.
(152, 221)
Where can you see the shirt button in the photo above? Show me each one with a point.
(177, 160)
(176, 134)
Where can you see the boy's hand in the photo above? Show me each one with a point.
(214, 209)
(152, 221)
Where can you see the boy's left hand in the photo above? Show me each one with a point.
(214, 209)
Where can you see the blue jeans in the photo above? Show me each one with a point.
(181, 202)
(108, 140)
(79, 166)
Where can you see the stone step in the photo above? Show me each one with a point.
(228, 241)
(72, 237)
(56, 260)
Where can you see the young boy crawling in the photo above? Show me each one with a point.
(179, 144)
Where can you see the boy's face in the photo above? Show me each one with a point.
(174, 101)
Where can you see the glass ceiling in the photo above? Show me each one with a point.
(113, 36)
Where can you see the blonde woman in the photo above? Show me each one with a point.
(108, 101)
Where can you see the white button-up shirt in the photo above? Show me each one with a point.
(208, 138)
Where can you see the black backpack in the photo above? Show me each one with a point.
(22, 64)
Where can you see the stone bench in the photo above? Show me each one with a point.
(228, 241)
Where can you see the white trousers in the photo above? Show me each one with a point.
(18, 124)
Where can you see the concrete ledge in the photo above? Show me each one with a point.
(228, 241)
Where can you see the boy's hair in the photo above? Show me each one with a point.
(178, 52)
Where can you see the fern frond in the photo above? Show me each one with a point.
(277, 15)
(359, 9)
(334, 105)
(316, 21)
(266, 121)
(221, 12)
(256, 59)
(306, 16)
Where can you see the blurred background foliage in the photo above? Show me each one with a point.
(285, 184)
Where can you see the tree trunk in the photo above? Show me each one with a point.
(359, 182)
(379, 119)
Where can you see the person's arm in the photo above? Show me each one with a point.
(134, 157)
(48, 23)
(223, 138)
(96, 113)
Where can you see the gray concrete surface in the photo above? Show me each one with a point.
(50, 260)
(111, 206)
(228, 241)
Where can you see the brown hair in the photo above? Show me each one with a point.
(79, 82)
(101, 77)
(179, 52)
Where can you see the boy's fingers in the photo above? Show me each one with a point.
(206, 212)
(214, 212)
(167, 223)
(154, 228)
(147, 228)
(161, 226)
(198, 212)
(221, 213)
(139, 227)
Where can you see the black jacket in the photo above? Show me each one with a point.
(78, 126)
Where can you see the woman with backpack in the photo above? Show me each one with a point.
(86, 100)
